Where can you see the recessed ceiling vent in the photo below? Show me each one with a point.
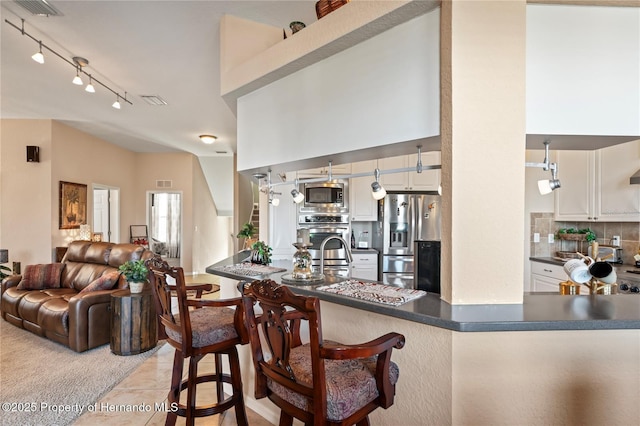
(153, 100)
(164, 184)
(39, 7)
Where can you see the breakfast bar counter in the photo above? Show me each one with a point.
(553, 359)
(540, 311)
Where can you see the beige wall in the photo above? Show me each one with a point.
(29, 191)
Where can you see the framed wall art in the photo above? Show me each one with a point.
(73, 205)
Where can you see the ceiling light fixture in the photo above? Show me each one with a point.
(38, 56)
(116, 104)
(546, 186)
(77, 63)
(377, 191)
(208, 139)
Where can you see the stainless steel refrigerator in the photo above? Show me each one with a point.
(407, 218)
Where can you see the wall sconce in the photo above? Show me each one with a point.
(546, 186)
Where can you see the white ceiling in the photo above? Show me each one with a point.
(164, 48)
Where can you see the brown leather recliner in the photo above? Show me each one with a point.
(79, 320)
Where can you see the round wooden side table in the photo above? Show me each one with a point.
(133, 322)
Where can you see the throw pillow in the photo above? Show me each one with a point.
(104, 282)
(41, 276)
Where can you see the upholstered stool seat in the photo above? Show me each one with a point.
(351, 383)
(208, 327)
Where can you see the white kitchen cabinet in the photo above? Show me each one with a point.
(595, 184)
(365, 266)
(546, 277)
(362, 206)
(336, 170)
(282, 223)
(428, 180)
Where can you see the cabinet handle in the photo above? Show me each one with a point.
(547, 270)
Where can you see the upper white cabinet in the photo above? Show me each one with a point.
(595, 184)
(428, 180)
(337, 170)
(362, 205)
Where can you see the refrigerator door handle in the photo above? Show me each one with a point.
(418, 218)
(411, 223)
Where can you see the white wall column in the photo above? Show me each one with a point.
(483, 150)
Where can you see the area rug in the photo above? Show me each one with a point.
(379, 293)
(45, 383)
(249, 269)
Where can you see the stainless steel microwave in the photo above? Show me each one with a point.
(321, 197)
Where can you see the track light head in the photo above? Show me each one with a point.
(116, 104)
(38, 56)
(90, 87)
(275, 202)
(546, 186)
(298, 196)
(377, 191)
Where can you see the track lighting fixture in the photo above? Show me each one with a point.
(546, 186)
(38, 56)
(298, 196)
(78, 63)
(116, 104)
(275, 202)
(377, 191)
(208, 139)
(90, 87)
(77, 80)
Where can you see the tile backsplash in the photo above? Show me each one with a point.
(544, 224)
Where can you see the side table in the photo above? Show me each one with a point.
(133, 322)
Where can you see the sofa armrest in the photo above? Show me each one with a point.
(10, 281)
(85, 310)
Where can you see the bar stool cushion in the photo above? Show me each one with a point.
(351, 384)
(208, 326)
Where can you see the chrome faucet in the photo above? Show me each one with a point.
(324, 243)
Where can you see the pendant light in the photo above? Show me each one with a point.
(116, 104)
(377, 191)
(90, 87)
(77, 80)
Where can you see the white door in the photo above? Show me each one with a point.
(106, 210)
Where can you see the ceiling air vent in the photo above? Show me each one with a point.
(39, 7)
(164, 184)
(153, 100)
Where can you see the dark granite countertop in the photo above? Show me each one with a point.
(539, 311)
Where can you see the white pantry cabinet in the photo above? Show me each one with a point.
(595, 184)
(428, 180)
(365, 266)
(362, 206)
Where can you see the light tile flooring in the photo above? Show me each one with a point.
(148, 385)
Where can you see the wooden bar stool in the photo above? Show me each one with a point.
(320, 382)
(202, 327)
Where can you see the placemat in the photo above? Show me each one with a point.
(379, 293)
(249, 269)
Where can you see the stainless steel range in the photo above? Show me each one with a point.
(322, 226)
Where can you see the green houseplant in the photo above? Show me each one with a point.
(260, 253)
(136, 274)
(585, 234)
(247, 232)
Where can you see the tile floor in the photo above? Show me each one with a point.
(148, 385)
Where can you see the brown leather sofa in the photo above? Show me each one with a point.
(79, 320)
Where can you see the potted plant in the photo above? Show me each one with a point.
(247, 232)
(260, 253)
(585, 234)
(136, 274)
